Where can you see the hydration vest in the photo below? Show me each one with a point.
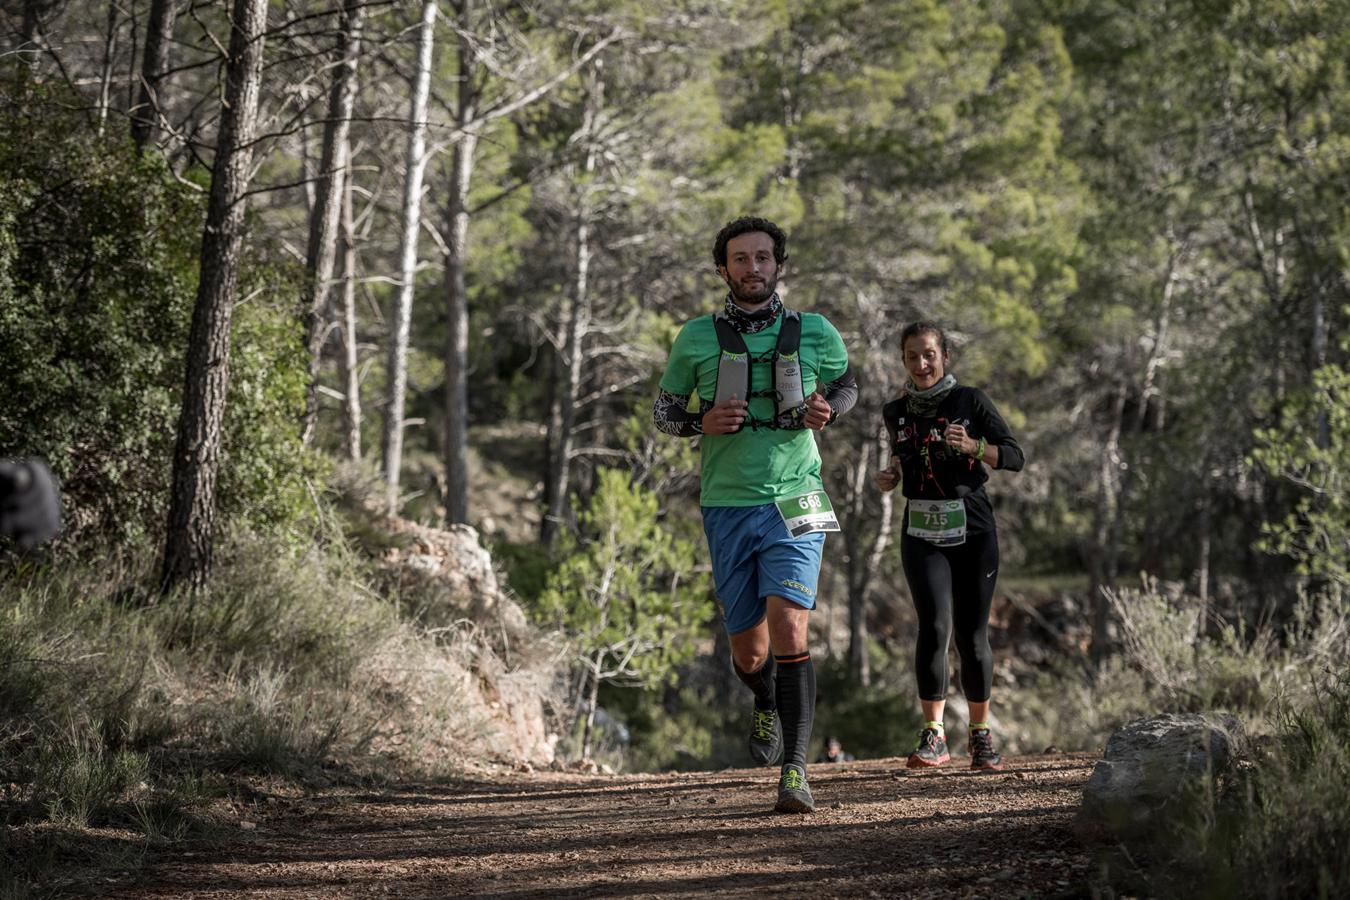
(734, 366)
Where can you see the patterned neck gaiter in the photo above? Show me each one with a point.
(750, 322)
(925, 403)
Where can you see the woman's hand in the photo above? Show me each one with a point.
(957, 438)
(888, 477)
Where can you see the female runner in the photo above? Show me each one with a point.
(943, 436)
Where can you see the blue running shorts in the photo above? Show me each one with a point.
(754, 557)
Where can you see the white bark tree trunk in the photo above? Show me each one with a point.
(577, 325)
(323, 223)
(412, 216)
(350, 362)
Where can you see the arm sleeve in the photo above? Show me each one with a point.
(995, 431)
(672, 416)
(841, 394)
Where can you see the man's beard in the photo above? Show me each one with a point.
(753, 296)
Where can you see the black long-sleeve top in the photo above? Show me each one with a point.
(932, 470)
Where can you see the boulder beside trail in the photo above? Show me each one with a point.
(1150, 767)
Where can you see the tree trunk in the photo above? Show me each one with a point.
(578, 324)
(857, 576)
(569, 387)
(188, 544)
(105, 76)
(34, 42)
(1317, 354)
(351, 375)
(1107, 496)
(145, 115)
(415, 166)
(1203, 528)
(594, 699)
(859, 665)
(323, 223)
(1127, 467)
(457, 343)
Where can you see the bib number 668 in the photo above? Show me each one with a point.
(810, 501)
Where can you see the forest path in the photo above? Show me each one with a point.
(879, 830)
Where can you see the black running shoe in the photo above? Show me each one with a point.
(983, 756)
(766, 737)
(794, 794)
(931, 751)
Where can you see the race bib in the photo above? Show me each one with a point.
(808, 513)
(940, 522)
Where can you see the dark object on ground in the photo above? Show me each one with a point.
(30, 505)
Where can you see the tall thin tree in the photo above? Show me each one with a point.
(146, 114)
(457, 303)
(412, 217)
(351, 375)
(567, 385)
(105, 76)
(323, 223)
(188, 544)
(469, 122)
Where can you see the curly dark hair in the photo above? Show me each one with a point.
(745, 225)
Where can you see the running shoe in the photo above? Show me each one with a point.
(766, 737)
(983, 756)
(931, 751)
(794, 794)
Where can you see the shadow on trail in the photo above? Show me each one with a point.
(537, 792)
(824, 859)
(875, 832)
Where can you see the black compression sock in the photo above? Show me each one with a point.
(761, 682)
(796, 704)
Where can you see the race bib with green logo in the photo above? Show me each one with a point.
(940, 522)
(807, 513)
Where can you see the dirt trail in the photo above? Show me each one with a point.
(879, 831)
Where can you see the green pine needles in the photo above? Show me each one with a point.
(625, 593)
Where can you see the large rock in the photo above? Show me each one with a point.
(1150, 767)
(510, 667)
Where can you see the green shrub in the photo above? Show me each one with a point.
(689, 725)
(881, 720)
(1178, 656)
(98, 271)
(624, 593)
(1278, 824)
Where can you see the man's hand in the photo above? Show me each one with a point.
(726, 417)
(818, 412)
(888, 477)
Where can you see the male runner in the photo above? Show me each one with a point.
(764, 508)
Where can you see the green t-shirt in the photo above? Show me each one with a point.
(755, 466)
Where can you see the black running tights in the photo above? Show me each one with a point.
(952, 588)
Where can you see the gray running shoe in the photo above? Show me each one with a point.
(766, 737)
(983, 756)
(931, 750)
(794, 794)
